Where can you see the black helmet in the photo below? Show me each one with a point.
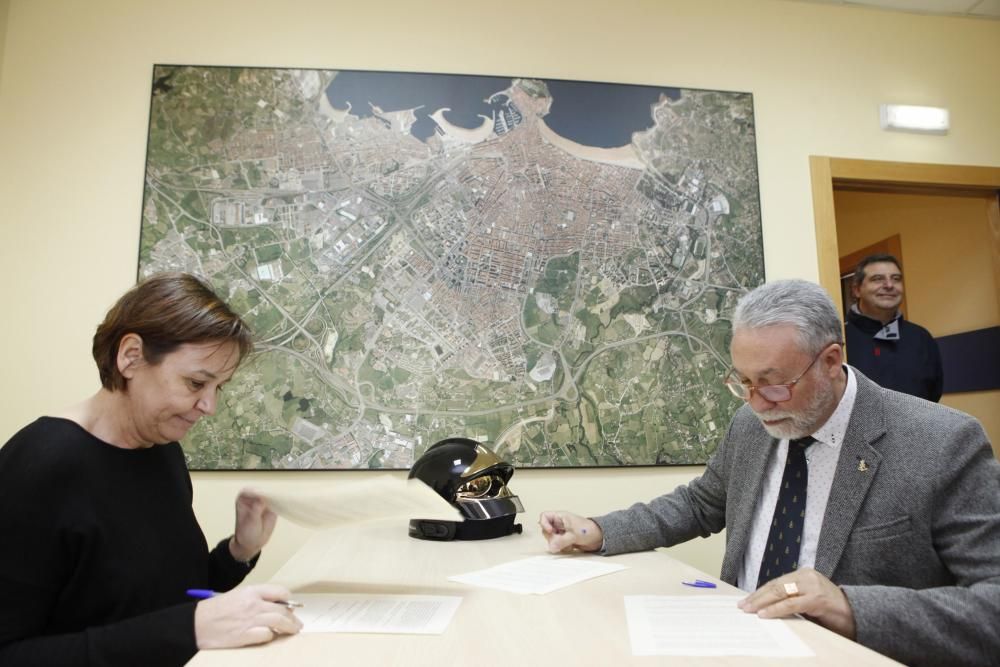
(471, 477)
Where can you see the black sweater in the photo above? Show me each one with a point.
(99, 546)
(911, 364)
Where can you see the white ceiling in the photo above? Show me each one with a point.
(980, 9)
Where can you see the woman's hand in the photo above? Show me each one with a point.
(254, 525)
(251, 615)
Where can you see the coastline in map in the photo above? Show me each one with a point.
(463, 134)
(622, 156)
(329, 111)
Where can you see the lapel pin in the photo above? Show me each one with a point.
(862, 466)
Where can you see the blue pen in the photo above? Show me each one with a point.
(204, 594)
(699, 583)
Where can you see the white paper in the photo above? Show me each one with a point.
(705, 625)
(540, 574)
(383, 497)
(394, 614)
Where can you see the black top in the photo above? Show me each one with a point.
(911, 364)
(99, 546)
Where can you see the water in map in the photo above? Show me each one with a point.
(602, 115)
(466, 97)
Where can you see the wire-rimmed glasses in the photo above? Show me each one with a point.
(773, 393)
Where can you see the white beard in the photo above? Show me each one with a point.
(801, 423)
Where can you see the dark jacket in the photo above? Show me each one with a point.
(911, 364)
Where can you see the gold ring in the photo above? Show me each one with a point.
(791, 589)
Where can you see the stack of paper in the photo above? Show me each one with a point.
(396, 614)
(705, 625)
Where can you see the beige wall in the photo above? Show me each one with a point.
(947, 250)
(4, 9)
(74, 107)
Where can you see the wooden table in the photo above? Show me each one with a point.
(583, 624)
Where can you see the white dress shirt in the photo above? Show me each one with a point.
(821, 457)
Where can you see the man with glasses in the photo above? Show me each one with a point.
(869, 511)
(890, 350)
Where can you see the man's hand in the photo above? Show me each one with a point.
(254, 525)
(805, 592)
(251, 615)
(564, 531)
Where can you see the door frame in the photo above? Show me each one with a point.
(828, 173)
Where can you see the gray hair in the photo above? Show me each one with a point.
(799, 303)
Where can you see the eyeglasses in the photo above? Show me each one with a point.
(774, 393)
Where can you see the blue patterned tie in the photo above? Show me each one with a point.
(781, 555)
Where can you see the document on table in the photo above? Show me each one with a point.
(539, 574)
(705, 625)
(384, 497)
(391, 614)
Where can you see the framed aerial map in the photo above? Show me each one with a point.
(543, 265)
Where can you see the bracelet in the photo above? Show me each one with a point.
(246, 563)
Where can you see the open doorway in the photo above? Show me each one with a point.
(952, 279)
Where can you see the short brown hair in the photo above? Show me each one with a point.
(859, 270)
(166, 310)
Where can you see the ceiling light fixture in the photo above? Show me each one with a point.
(908, 118)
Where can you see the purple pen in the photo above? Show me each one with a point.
(200, 593)
(204, 594)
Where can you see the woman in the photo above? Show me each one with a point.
(100, 540)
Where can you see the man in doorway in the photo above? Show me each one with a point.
(871, 512)
(893, 352)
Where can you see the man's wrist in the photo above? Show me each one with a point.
(847, 624)
(595, 536)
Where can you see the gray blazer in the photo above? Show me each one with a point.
(913, 540)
